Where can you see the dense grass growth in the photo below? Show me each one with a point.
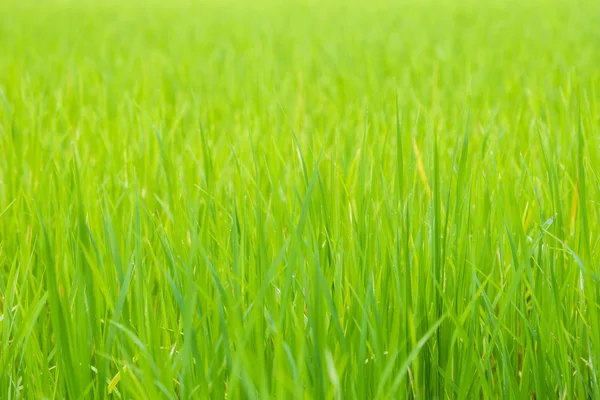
(301, 200)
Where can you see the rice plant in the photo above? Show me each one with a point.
(305, 199)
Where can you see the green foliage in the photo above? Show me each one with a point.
(299, 200)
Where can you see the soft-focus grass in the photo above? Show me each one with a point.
(254, 200)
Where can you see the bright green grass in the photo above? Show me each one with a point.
(270, 200)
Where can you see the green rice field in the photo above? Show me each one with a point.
(299, 199)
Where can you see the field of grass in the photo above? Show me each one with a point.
(316, 200)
